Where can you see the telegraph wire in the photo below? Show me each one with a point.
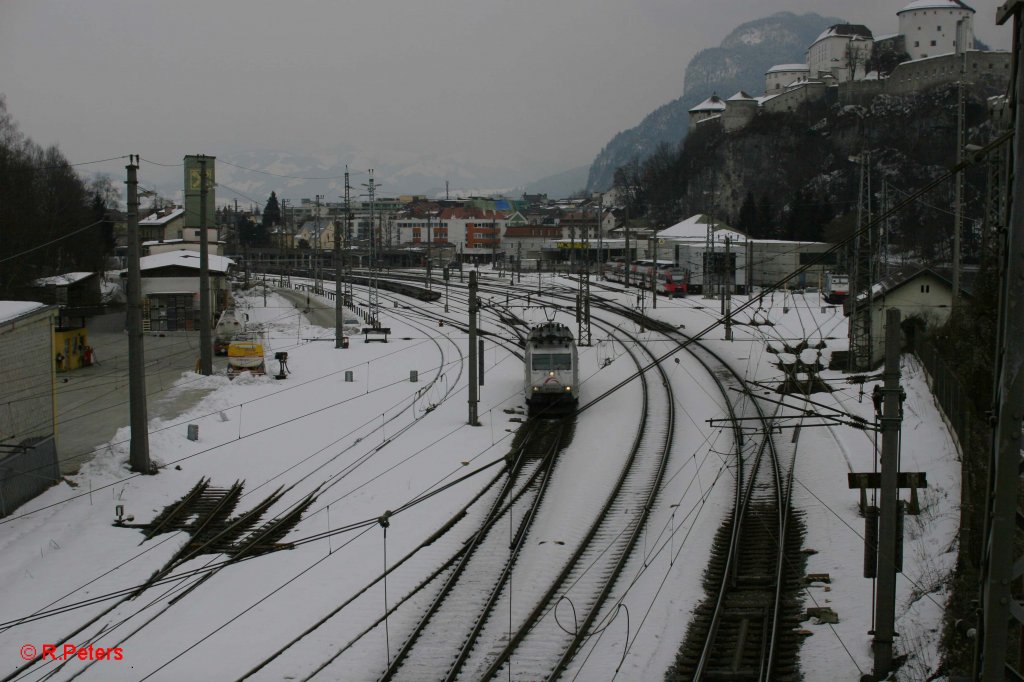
(53, 241)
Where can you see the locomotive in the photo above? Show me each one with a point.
(551, 369)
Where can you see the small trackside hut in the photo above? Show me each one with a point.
(551, 370)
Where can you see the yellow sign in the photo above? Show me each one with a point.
(195, 178)
(571, 245)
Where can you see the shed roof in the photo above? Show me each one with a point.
(788, 67)
(184, 259)
(695, 228)
(63, 280)
(157, 219)
(12, 309)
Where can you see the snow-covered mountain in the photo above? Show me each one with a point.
(738, 63)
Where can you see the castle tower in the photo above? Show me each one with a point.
(929, 27)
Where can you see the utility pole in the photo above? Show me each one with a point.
(317, 274)
(889, 503)
(374, 294)
(473, 386)
(519, 263)
(961, 112)
(428, 250)
(727, 297)
(600, 240)
(205, 323)
(139, 446)
(572, 246)
(339, 308)
(348, 240)
(494, 244)
(628, 259)
(1000, 563)
(652, 249)
(583, 336)
(709, 253)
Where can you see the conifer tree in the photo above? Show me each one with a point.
(272, 211)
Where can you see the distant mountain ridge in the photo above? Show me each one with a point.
(738, 63)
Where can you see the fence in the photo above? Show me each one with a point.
(29, 470)
(949, 394)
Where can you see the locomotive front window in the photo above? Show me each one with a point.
(561, 361)
(551, 361)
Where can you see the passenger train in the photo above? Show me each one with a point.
(671, 279)
(551, 369)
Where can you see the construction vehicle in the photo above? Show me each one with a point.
(246, 356)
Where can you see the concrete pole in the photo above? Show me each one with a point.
(205, 323)
(339, 296)
(139, 445)
(473, 386)
(885, 596)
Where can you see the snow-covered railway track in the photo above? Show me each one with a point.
(744, 629)
(531, 644)
(440, 642)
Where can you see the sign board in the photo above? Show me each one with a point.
(193, 190)
(571, 245)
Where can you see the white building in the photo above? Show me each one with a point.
(841, 51)
(777, 78)
(930, 27)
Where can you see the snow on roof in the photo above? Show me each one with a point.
(936, 4)
(788, 67)
(157, 219)
(740, 97)
(713, 103)
(183, 259)
(12, 309)
(695, 228)
(845, 31)
(62, 280)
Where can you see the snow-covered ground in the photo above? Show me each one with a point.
(377, 442)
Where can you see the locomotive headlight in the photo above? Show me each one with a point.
(568, 388)
(551, 374)
(536, 388)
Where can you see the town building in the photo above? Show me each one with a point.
(28, 423)
(170, 290)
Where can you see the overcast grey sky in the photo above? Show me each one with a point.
(538, 86)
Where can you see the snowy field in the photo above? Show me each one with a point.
(380, 442)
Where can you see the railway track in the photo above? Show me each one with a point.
(745, 627)
(433, 651)
(743, 630)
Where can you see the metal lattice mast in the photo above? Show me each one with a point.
(583, 336)
(863, 275)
